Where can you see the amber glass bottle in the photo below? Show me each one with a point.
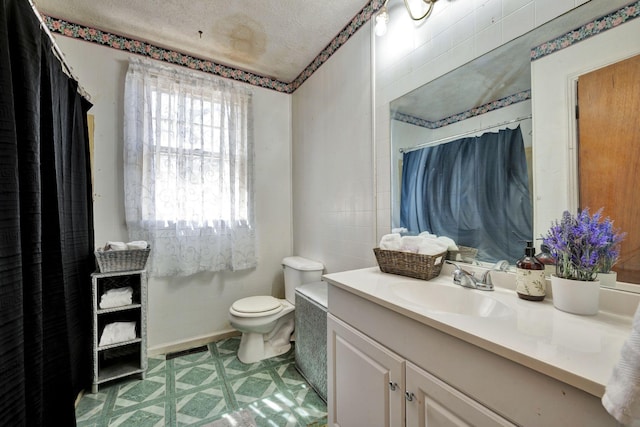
(530, 281)
(547, 259)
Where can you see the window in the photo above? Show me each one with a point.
(188, 169)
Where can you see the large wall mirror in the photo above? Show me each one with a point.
(486, 101)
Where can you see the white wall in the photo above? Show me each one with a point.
(553, 82)
(333, 178)
(410, 55)
(183, 311)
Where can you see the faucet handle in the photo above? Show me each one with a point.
(502, 265)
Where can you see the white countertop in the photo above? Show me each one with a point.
(578, 350)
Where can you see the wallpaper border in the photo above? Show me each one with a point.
(115, 41)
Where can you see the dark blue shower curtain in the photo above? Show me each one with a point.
(474, 190)
(46, 229)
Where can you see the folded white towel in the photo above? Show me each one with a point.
(428, 235)
(115, 246)
(116, 297)
(411, 243)
(399, 230)
(451, 245)
(431, 247)
(391, 242)
(118, 332)
(137, 244)
(622, 394)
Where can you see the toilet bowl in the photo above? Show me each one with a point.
(266, 322)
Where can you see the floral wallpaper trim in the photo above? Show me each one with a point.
(349, 30)
(490, 106)
(607, 22)
(126, 44)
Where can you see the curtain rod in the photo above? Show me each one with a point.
(58, 53)
(425, 144)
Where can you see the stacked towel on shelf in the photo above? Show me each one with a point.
(622, 394)
(117, 332)
(116, 297)
(122, 246)
(137, 244)
(115, 246)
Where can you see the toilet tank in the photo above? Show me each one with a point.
(298, 271)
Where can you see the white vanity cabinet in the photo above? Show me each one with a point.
(432, 402)
(365, 384)
(388, 366)
(371, 385)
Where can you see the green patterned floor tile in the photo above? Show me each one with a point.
(228, 347)
(156, 364)
(309, 406)
(149, 416)
(192, 359)
(90, 406)
(233, 367)
(195, 376)
(274, 412)
(287, 357)
(252, 387)
(198, 388)
(136, 392)
(290, 376)
(201, 405)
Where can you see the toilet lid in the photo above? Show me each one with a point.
(256, 304)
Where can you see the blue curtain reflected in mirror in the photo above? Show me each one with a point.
(474, 190)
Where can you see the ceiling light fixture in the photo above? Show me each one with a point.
(382, 17)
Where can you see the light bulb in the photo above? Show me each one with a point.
(381, 21)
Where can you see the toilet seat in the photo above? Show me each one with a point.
(256, 306)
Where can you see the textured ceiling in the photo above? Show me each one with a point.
(500, 73)
(272, 38)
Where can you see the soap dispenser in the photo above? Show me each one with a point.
(547, 259)
(530, 281)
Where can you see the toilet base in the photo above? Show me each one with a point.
(255, 347)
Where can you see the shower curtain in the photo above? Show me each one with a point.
(474, 190)
(46, 228)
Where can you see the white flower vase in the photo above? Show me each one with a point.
(575, 296)
(608, 280)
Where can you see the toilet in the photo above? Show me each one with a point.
(266, 322)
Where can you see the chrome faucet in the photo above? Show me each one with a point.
(469, 280)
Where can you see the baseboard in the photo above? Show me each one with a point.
(190, 343)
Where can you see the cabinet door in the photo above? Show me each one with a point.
(365, 380)
(436, 404)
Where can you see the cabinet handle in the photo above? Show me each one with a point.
(409, 396)
(393, 386)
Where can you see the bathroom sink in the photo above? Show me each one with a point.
(449, 299)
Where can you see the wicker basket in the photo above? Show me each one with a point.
(127, 260)
(463, 253)
(409, 264)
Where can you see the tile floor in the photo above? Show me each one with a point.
(196, 389)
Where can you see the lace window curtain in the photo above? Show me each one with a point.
(188, 169)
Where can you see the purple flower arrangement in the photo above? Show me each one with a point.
(583, 245)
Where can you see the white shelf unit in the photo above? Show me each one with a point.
(125, 358)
